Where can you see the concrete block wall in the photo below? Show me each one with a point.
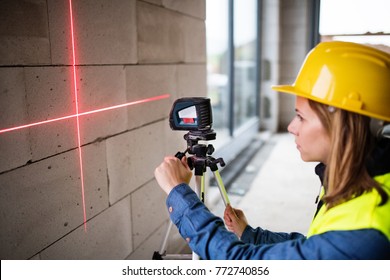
(126, 50)
(270, 64)
(294, 35)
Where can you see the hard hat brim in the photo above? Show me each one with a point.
(293, 90)
(290, 89)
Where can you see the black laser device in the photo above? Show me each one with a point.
(192, 114)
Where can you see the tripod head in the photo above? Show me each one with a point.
(201, 153)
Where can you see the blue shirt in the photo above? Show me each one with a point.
(207, 236)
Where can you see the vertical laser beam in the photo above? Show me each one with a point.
(77, 115)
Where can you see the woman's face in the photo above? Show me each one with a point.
(310, 135)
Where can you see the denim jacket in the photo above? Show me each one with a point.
(208, 237)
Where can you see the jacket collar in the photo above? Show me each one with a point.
(379, 161)
(320, 171)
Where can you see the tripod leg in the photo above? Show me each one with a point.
(199, 187)
(165, 242)
(158, 255)
(221, 187)
(199, 190)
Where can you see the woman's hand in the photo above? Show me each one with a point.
(235, 220)
(172, 172)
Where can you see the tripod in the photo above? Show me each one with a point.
(199, 161)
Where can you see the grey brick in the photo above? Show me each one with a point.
(108, 237)
(148, 81)
(132, 158)
(24, 36)
(104, 32)
(148, 211)
(99, 88)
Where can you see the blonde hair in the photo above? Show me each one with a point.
(346, 175)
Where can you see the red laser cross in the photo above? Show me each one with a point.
(159, 97)
(78, 114)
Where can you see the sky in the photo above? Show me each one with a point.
(354, 16)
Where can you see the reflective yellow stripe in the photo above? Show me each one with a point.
(361, 212)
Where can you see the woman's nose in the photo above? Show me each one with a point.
(292, 127)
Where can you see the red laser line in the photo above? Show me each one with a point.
(77, 116)
(126, 104)
(36, 123)
(155, 98)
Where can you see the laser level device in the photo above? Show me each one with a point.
(191, 113)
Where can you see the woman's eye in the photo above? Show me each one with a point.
(299, 117)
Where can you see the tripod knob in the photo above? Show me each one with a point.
(180, 155)
(190, 163)
(210, 149)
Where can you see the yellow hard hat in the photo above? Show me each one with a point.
(345, 75)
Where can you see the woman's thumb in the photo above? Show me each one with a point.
(184, 162)
(230, 211)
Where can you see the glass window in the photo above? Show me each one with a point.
(360, 21)
(217, 26)
(231, 30)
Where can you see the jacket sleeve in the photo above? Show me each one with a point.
(208, 237)
(261, 236)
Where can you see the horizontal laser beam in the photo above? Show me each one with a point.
(164, 96)
(159, 97)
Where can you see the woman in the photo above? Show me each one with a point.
(339, 87)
